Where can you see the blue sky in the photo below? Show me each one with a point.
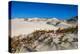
(42, 10)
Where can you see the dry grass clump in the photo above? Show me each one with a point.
(68, 30)
(30, 42)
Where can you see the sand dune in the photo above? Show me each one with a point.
(19, 26)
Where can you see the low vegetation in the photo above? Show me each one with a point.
(62, 39)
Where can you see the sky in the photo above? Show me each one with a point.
(42, 10)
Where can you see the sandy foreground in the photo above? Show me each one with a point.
(19, 26)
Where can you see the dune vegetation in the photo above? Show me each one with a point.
(40, 39)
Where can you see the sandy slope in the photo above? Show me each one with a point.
(41, 42)
(19, 26)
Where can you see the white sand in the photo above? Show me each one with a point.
(19, 26)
